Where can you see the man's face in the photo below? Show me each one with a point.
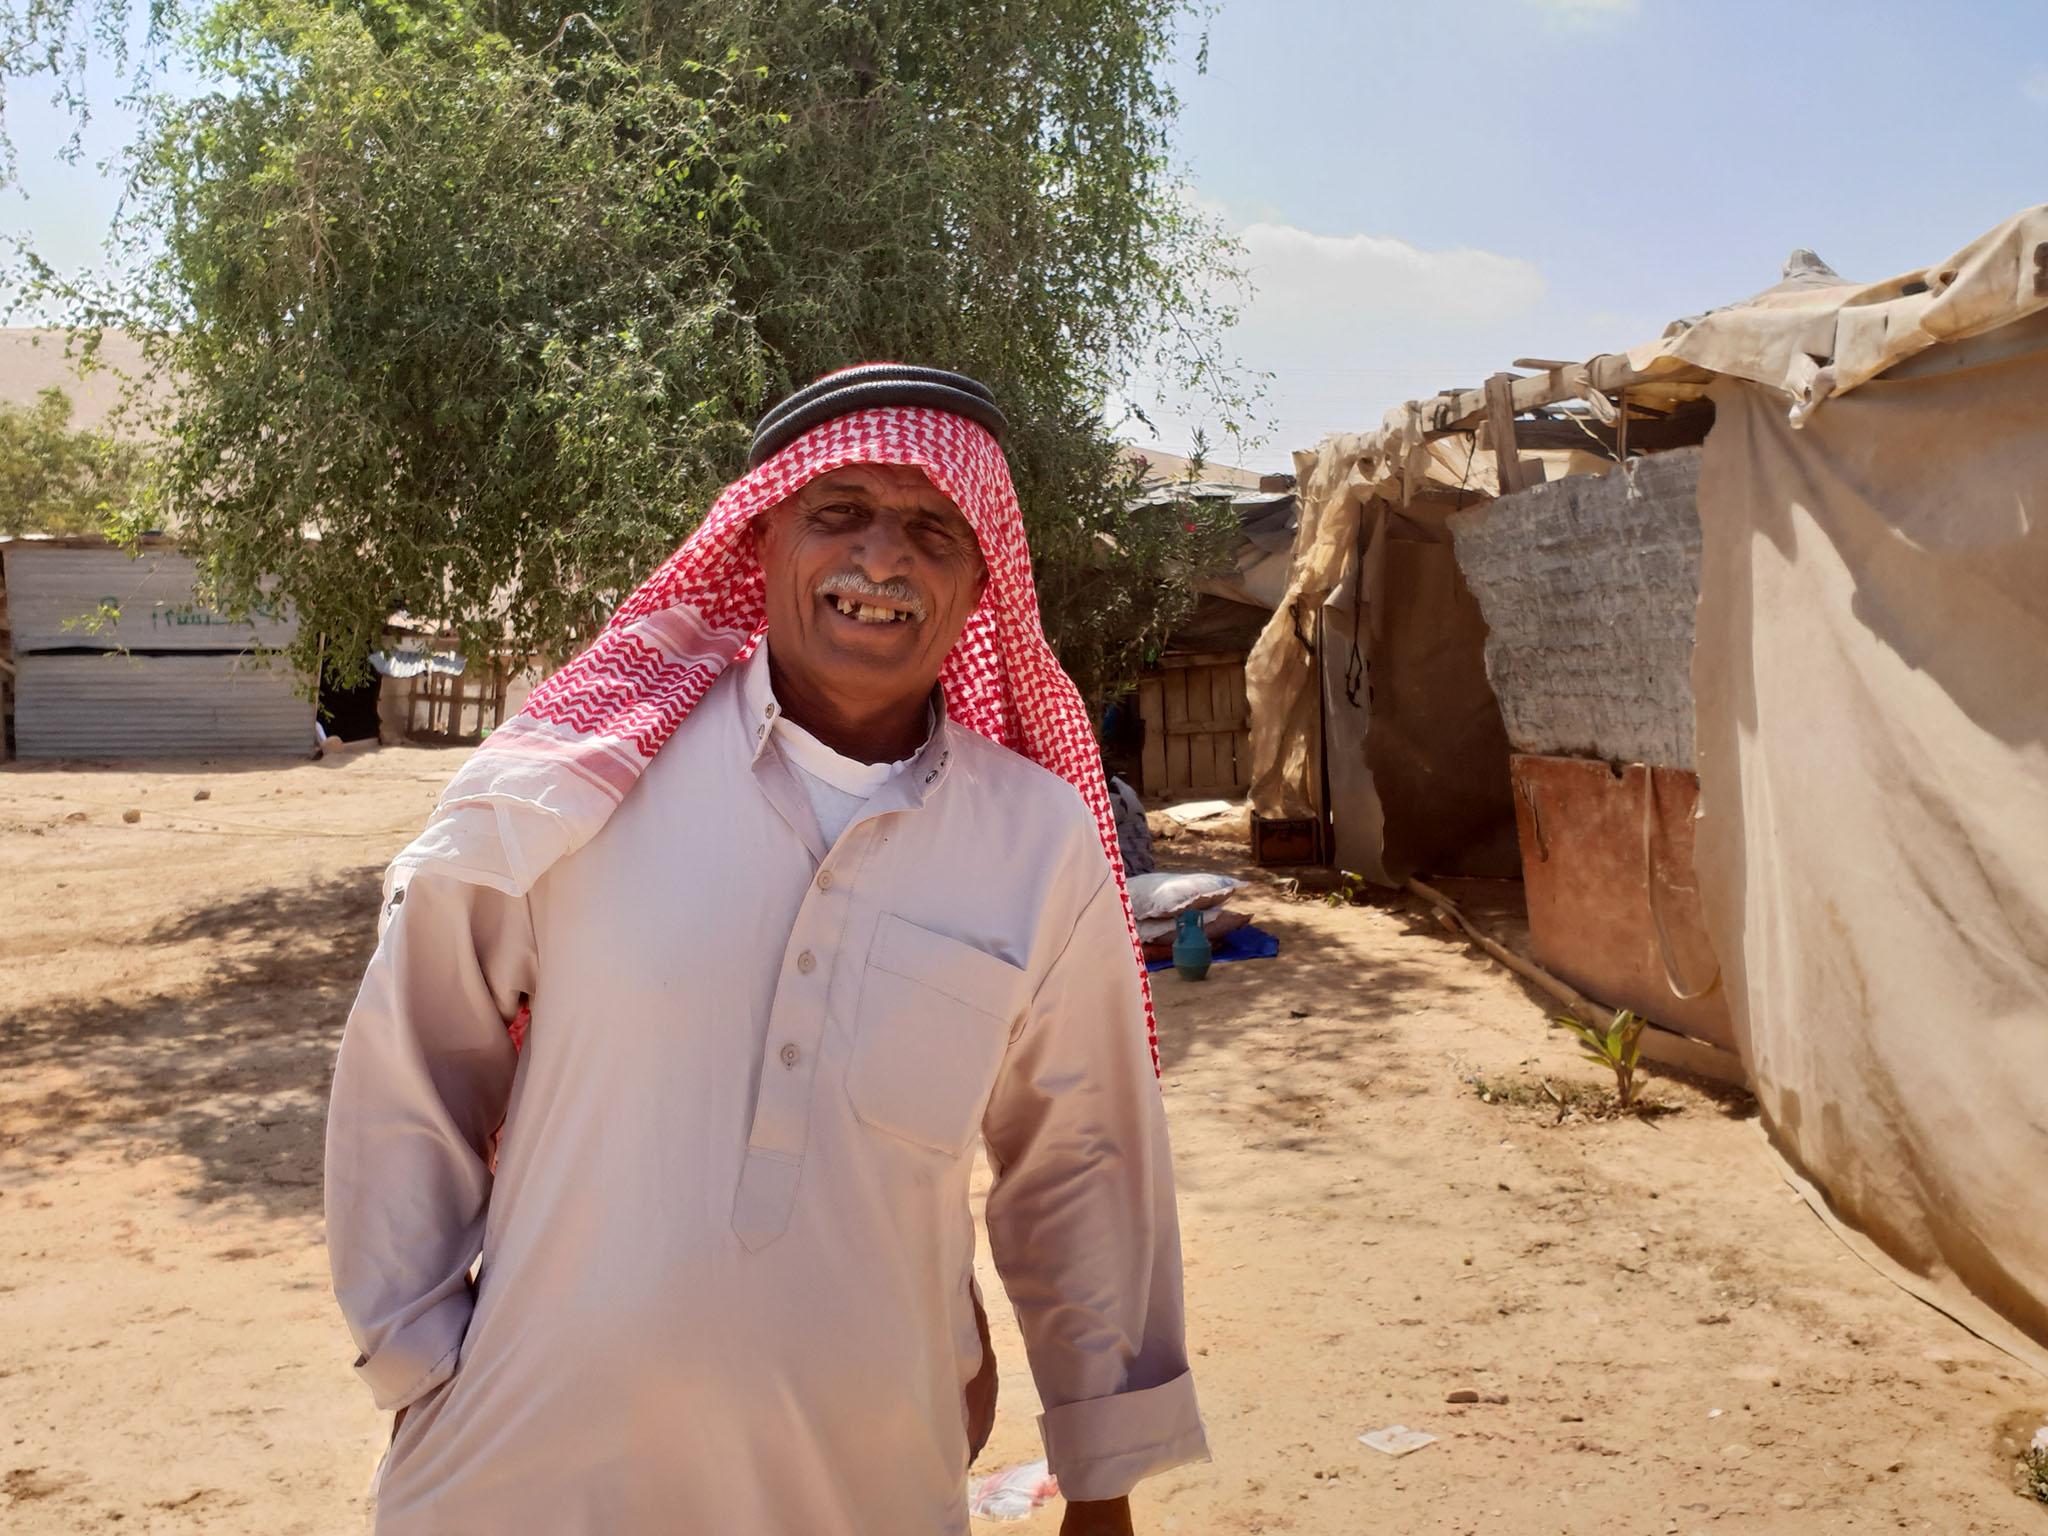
(871, 575)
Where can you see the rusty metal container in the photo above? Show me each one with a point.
(1614, 907)
(1287, 840)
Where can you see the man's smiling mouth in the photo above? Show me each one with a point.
(854, 596)
(868, 613)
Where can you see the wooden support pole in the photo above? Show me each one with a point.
(1587, 1010)
(1662, 1046)
(1500, 434)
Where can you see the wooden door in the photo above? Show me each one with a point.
(1197, 726)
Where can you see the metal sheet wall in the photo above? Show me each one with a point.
(167, 678)
(49, 586)
(1614, 903)
(151, 706)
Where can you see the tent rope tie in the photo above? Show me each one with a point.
(1678, 990)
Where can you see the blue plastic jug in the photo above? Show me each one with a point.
(1191, 951)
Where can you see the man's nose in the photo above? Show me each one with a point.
(882, 549)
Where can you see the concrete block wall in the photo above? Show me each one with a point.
(1588, 585)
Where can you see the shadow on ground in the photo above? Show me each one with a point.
(231, 1070)
(1318, 1019)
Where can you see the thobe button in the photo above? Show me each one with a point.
(824, 879)
(807, 962)
(791, 1055)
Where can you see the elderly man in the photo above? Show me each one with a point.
(690, 1002)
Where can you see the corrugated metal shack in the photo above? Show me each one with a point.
(1196, 720)
(109, 655)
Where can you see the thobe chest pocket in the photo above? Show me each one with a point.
(930, 1032)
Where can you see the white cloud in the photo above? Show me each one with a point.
(2036, 86)
(1302, 274)
(1586, 13)
(1348, 325)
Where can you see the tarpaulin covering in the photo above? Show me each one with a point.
(1609, 879)
(1871, 678)
(1340, 481)
(1417, 758)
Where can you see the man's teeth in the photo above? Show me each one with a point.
(867, 613)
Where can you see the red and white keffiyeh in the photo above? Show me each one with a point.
(545, 782)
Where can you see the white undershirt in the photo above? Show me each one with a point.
(836, 785)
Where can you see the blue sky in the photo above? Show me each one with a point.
(1553, 178)
(1429, 190)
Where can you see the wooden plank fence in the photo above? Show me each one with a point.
(1197, 726)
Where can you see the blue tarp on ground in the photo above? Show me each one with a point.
(1245, 943)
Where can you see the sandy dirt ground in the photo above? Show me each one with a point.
(1678, 1344)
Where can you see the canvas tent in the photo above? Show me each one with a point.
(1869, 688)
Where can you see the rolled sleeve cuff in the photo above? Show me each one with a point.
(1106, 1446)
(418, 1357)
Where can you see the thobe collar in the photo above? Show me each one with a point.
(925, 771)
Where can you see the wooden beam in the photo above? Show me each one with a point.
(1665, 1047)
(1456, 410)
(1647, 432)
(1202, 659)
(1500, 435)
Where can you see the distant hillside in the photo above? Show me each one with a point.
(31, 360)
(1171, 466)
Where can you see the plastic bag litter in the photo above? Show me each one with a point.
(1013, 1493)
(1397, 1440)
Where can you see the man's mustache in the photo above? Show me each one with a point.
(895, 590)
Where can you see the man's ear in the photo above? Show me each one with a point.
(761, 528)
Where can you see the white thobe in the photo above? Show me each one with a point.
(727, 1246)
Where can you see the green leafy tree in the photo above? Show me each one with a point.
(470, 311)
(55, 478)
(450, 323)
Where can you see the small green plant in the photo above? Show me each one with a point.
(1350, 884)
(1618, 1047)
(2034, 1464)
